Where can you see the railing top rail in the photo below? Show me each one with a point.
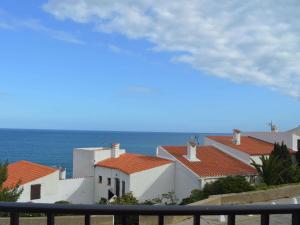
(148, 210)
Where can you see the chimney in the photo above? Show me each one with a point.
(236, 137)
(191, 151)
(115, 150)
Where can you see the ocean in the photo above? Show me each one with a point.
(55, 147)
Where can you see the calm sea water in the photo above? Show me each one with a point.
(54, 147)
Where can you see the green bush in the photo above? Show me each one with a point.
(224, 185)
(62, 202)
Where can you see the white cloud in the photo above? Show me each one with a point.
(245, 41)
(11, 23)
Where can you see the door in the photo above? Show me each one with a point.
(117, 187)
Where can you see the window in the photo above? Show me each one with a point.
(100, 180)
(35, 191)
(123, 187)
(109, 181)
(298, 144)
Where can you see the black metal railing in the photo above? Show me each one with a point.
(14, 209)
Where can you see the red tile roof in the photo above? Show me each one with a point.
(212, 162)
(132, 163)
(249, 145)
(24, 172)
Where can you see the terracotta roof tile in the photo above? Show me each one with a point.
(132, 163)
(25, 172)
(249, 145)
(212, 162)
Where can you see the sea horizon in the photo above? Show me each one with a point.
(55, 147)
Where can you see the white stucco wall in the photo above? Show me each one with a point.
(101, 190)
(49, 189)
(242, 156)
(84, 160)
(152, 183)
(77, 190)
(185, 179)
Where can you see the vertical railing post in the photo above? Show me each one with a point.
(196, 219)
(124, 220)
(161, 220)
(265, 219)
(14, 218)
(231, 219)
(50, 219)
(295, 218)
(87, 219)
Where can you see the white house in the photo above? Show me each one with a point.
(116, 172)
(197, 165)
(39, 183)
(252, 145)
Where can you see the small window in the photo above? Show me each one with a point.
(109, 181)
(123, 187)
(100, 180)
(35, 191)
(298, 144)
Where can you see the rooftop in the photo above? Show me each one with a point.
(24, 172)
(212, 162)
(249, 145)
(132, 163)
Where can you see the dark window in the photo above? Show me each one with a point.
(298, 144)
(117, 186)
(109, 181)
(35, 191)
(123, 187)
(100, 180)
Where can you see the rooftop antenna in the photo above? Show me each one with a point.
(272, 126)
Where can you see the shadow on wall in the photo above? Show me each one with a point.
(78, 190)
(163, 180)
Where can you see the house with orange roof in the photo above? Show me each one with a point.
(39, 182)
(197, 165)
(251, 146)
(116, 172)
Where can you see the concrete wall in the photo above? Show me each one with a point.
(49, 189)
(242, 156)
(77, 190)
(287, 191)
(152, 183)
(61, 220)
(101, 190)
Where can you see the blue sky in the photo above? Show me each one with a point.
(59, 71)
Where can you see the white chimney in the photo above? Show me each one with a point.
(115, 150)
(236, 137)
(191, 151)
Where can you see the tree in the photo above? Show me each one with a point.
(270, 170)
(8, 194)
(278, 168)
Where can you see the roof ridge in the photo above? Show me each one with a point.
(35, 164)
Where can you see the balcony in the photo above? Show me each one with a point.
(123, 212)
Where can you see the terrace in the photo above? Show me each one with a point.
(231, 211)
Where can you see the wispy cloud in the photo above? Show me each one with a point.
(254, 42)
(11, 23)
(54, 33)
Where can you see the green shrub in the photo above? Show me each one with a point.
(224, 185)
